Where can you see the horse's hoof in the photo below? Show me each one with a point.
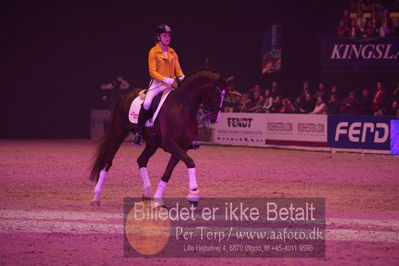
(193, 203)
(159, 203)
(145, 198)
(193, 197)
(95, 203)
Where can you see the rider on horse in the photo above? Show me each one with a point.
(164, 68)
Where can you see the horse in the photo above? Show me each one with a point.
(174, 130)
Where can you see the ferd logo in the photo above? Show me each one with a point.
(359, 132)
(239, 122)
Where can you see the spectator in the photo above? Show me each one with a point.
(255, 88)
(369, 29)
(277, 105)
(393, 109)
(342, 29)
(346, 18)
(365, 103)
(320, 107)
(256, 103)
(245, 102)
(386, 24)
(350, 105)
(378, 99)
(321, 92)
(275, 89)
(360, 20)
(309, 104)
(298, 105)
(367, 5)
(287, 106)
(374, 20)
(354, 30)
(268, 101)
(236, 100)
(305, 89)
(332, 105)
(231, 100)
(333, 91)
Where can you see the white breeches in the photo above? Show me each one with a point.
(155, 88)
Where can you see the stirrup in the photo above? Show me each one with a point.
(137, 139)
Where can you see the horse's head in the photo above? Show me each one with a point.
(213, 99)
(204, 88)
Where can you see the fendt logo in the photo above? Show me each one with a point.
(360, 131)
(239, 122)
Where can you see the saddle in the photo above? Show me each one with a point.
(155, 107)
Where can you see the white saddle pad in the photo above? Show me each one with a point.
(136, 105)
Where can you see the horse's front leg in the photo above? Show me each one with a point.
(165, 179)
(142, 161)
(176, 151)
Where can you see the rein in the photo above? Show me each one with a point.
(187, 100)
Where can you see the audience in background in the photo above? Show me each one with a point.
(370, 18)
(277, 105)
(298, 104)
(332, 105)
(365, 103)
(333, 91)
(275, 91)
(309, 104)
(259, 100)
(393, 109)
(320, 107)
(320, 92)
(305, 89)
(379, 99)
(268, 102)
(350, 105)
(354, 30)
(287, 106)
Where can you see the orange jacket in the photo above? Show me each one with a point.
(161, 66)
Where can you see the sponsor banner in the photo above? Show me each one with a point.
(296, 129)
(360, 54)
(271, 49)
(395, 137)
(240, 129)
(359, 132)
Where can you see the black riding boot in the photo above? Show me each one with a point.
(143, 117)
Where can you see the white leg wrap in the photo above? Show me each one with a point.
(161, 188)
(100, 183)
(192, 179)
(144, 176)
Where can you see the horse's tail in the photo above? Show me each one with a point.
(112, 139)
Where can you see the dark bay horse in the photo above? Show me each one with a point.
(174, 130)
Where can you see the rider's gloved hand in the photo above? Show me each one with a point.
(168, 81)
(181, 77)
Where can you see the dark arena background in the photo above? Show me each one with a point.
(65, 64)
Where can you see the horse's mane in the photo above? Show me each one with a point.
(192, 73)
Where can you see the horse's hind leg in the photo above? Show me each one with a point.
(108, 153)
(98, 188)
(142, 161)
(165, 179)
